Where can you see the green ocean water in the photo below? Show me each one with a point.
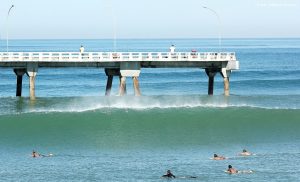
(140, 145)
(150, 128)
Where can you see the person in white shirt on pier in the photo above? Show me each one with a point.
(172, 49)
(81, 50)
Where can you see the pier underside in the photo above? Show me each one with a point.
(120, 70)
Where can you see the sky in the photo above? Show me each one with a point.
(124, 19)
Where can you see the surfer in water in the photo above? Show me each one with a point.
(216, 157)
(245, 153)
(36, 154)
(169, 175)
(231, 170)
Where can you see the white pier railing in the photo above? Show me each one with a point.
(114, 56)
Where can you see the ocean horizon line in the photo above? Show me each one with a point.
(188, 38)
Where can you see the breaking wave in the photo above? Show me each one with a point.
(83, 104)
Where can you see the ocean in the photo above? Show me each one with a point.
(173, 126)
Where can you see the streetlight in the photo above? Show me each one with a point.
(7, 27)
(115, 31)
(220, 24)
(114, 27)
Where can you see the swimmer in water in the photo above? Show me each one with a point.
(35, 154)
(169, 175)
(245, 153)
(216, 157)
(231, 170)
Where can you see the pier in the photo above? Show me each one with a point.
(120, 64)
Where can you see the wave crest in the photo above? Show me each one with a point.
(84, 104)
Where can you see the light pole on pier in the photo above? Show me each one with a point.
(220, 25)
(7, 26)
(115, 31)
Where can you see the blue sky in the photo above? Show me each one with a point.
(97, 19)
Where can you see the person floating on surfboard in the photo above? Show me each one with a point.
(36, 154)
(216, 157)
(169, 175)
(231, 170)
(245, 153)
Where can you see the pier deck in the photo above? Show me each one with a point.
(101, 59)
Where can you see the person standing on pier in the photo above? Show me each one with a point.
(81, 50)
(172, 49)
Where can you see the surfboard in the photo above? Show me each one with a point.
(241, 172)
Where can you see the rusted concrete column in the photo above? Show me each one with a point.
(211, 79)
(31, 72)
(137, 91)
(122, 87)
(32, 87)
(226, 74)
(19, 73)
(226, 86)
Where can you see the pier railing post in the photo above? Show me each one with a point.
(211, 79)
(19, 73)
(31, 72)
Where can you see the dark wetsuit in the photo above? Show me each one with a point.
(169, 175)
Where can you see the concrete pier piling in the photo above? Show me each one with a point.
(31, 72)
(19, 73)
(110, 73)
(109, 85)
(32, 87)
(226, 74)
(226, 86)
(137, 91)
(211, 79)
(122, 87)
(130, 69)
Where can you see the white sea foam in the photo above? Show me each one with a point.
(104, 104)
(136, 103)
(84, 104)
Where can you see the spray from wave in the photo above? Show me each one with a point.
(142, 103)
(84, 104)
